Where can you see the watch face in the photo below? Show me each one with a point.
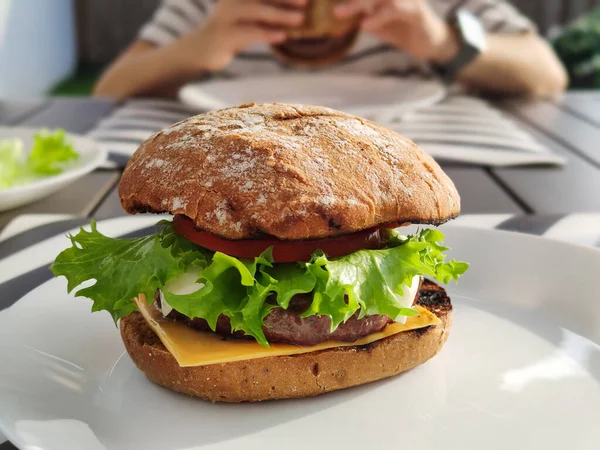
(471, 29)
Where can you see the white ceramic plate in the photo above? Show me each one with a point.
(91, 156)
(521, 370)
(363, 95)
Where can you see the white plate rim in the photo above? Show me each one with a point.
(187, 93)
(595, 253)
(70, 173)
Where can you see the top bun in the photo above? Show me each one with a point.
(288, 171)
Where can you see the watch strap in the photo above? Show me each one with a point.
(470, 48)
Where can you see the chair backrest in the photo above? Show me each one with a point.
(106, 27)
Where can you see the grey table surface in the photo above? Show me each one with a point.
(548, 190)
(79, 199)
(570, 126)
(76, 115)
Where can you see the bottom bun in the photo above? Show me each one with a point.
(314, 60)
(303, 375)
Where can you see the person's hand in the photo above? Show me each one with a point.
(407, 24)
(234, 25)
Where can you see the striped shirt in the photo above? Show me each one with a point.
(175, 18)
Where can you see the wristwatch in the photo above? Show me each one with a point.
(472, 36)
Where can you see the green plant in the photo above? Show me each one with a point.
(578, 46)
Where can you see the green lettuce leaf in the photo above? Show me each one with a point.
(366, 281)
(239, 289)
(123, 268)
(50, 152)
(48, 156)
(11, 154)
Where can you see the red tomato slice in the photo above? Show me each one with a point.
(283, 251)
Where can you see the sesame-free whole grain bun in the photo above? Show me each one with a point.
(303, 375)
(287, 171)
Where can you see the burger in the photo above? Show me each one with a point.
(284, 271)
(322, 38)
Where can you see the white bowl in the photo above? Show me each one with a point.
(91, 156)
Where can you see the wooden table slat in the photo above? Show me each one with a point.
(76, 115)
(572, 188)
(110, 206)
(78, 199)
(479, 193)
(571, 131)
(15, 111)
(583, 104)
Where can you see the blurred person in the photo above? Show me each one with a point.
(486, 45)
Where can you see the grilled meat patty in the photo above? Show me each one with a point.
(287, 325)
(313, 48)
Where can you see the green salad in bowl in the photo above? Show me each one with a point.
(50, 153)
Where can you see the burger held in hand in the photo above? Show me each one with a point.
(284, 271)
(322, 39)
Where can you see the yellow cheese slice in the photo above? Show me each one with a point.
(191, 347)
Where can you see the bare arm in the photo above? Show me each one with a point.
(516, 64)
(512, 64)
(145, 69)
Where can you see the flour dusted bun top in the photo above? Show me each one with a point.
(288, 171)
